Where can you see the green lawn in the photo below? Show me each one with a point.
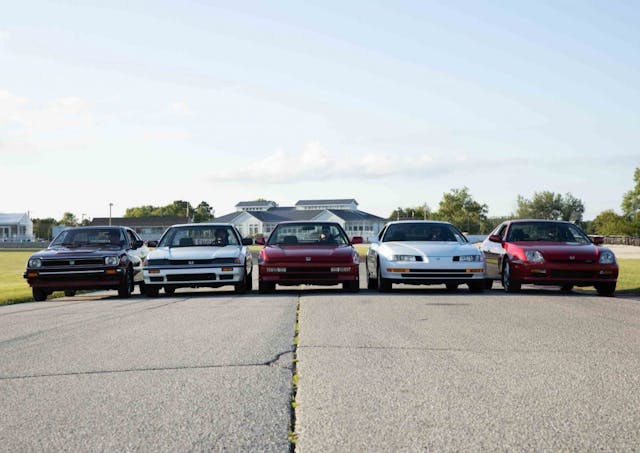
(14, 288)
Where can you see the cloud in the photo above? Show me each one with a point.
(314, 163)
(180, 108)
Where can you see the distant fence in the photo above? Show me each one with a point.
(24, 245)
(622, 240)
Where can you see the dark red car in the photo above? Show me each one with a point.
(548, 252)
(308, 253)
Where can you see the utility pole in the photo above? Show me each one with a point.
(110, 205)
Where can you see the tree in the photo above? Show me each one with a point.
(42, 228)
(631, 203)
(141, 211)
(550, 206)
(459, 208)
(203, 212)
(608, 223)
(68, 219)
(418, 213)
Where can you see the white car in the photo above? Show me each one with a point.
(423, 253)
(199, 255)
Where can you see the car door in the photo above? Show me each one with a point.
(494, 252)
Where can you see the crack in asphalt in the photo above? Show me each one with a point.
(270, 363)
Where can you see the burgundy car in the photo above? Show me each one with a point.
(548, 252)
(308, 253)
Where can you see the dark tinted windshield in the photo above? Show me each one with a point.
(308, 234)
(92, 237)
(432, 232)
(546, 232)
(199, 235)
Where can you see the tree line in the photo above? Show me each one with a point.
(461, 209)
(456, 206)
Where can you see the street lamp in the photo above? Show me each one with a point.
(110, 205)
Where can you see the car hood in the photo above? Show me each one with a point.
(435, 249)
(301, 253)
(564, 252)
(197, 253)
(64, 252)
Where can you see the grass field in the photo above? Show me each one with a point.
(14, 288)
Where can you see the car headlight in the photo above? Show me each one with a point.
(607, 257)
(35, 262)
(403, 258)
(111, 260)
(471, 258)
(534, 256)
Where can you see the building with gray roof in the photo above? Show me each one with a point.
(16, 227)
(259, 218)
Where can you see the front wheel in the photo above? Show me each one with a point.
(249, 282)
(70, 293)
(452, 287)
(606, 289)
(488, 283)
(169, 290)
(383, 284)
(241, 286)
(125, 288)
(508, 283)
(372, 283)
(566, 288)
(39, 294)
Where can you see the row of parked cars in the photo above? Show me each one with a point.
(212, 255)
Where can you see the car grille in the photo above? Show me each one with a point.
(560, 273)
(73, 262)
(190, 277)
(220, 261)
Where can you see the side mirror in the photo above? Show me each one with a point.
(247, 241)
(598, 240)
(357, 240)
(137, 244)
(152, 243)
(496, 238)
(260, 241)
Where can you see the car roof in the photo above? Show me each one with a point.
(440, 222)
(537, 221)
(211, 224)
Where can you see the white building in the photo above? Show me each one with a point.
(16, 228)
(261, 216)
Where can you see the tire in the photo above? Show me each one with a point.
(169, 290)
(477, 286)
(488, 283)
(372, 283)
(70, 293)
(266, 287)
(452, 287)
(383, 284)
(351, 287)
(508, 283)
(249, 282)
(241, 286)
(125, 288)
(151, 290)
(39, 294)
(606, 289)
(566, 288)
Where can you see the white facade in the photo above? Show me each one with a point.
(16, 228)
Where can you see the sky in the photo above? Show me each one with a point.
(392, 103)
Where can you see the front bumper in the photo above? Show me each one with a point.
(420, 273)
(193, 276)
(310, 274)
(550, 273)
(65, 279)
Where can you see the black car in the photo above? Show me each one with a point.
(108, 257)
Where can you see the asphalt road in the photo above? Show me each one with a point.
(417, 369)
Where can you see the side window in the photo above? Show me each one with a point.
(381, 233)
(502, 230)
(132, 238)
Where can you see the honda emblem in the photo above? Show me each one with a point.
(307, 258)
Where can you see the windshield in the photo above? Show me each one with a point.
(199, 235)
(430, 232)
(546, 232)
(308, 234)
(91, 237)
